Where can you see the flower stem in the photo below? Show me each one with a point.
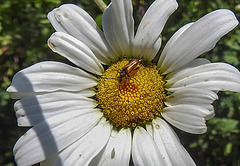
(101, 4)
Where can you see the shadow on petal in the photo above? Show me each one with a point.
(23, 156)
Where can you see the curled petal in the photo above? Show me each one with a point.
(189, 118)
(75, 21)
(75, 51)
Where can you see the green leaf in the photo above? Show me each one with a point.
(231, 57)
(224, 125)
(228, 149)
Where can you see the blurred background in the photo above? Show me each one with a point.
(24, 30)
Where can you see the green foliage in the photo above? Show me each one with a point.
(98, 20)
(224, 126)
(24, 30)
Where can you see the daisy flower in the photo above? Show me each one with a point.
(114, 107)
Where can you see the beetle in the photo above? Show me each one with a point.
(126, 71)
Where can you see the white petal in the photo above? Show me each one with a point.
(168, 144)
(90, 92)
(197, 39)
(117, 151)
(187, 67)
(144, 149)
(75, 21)
(51, 76)
(34, 109)
(189, 118)
(199, 97)
(213, 76)
(149, 129)
(211, 115)
(51, 136)
(171, 42)
(75, 51)
(147, 40)
(18, 95)
(118, 25)
(85, 149)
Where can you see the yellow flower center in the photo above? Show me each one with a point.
(131, 98)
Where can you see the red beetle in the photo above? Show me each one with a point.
(127, 69)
